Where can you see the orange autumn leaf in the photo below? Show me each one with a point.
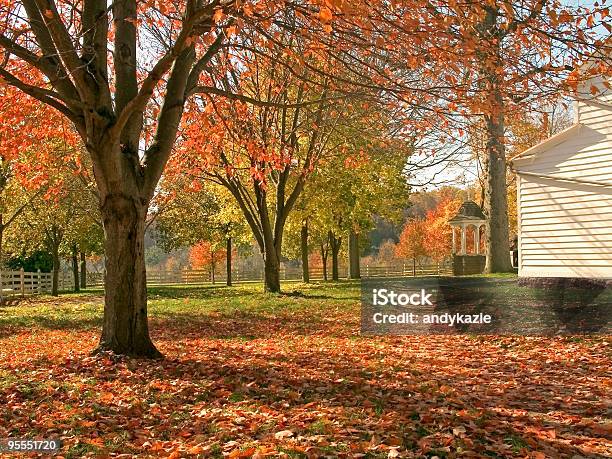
(325, 14)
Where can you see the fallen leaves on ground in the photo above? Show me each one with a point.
(303, 383)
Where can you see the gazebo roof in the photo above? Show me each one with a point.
(469, 211)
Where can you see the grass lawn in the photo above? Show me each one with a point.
(249, 374)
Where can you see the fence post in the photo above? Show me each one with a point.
(38, 283)
(22, 282)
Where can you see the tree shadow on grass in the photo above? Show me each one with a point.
(234, 324)
(300, 294)
(196, 292)
(13, 326)
(246, 290)
(250, 325)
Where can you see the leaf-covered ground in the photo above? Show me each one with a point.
(248, 374)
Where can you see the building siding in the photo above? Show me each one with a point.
(565, 228)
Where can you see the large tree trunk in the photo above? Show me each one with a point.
(335, 244)
(271, 271)
(228, 262)
(353, 249)
(125, 329)
(75, 269)
(304, 251)
(496, 197)
(83, 271)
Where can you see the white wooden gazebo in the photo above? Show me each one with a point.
(469, 216)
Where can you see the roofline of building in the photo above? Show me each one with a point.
(547, 144)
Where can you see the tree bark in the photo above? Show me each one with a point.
(83, 271)
(228, 262)
(353, 248)
(496, 193)
(1, 247)
(304, 251)
(335, 244)
(75, 269)
(212, 267)
(324, 253)
(53, 239)
(271, 271)
(125, 329)
(496, 201)
(496, 197)
(55, 271)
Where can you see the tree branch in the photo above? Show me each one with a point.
(43, 95)
(257, 102)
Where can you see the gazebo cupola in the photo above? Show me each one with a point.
(469, 220)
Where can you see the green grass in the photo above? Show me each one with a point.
(247, 304)
(181, 303)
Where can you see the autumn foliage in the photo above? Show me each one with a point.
(412, 240)
(430, 236)
(204, 255)
(438, 234)
(35, 141)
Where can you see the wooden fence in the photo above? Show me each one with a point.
(291, 273)
(21, 283)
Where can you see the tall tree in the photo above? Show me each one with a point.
(268, 152)
(364, 178)
(516, 54)
(58, 52)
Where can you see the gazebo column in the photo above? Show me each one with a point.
(463, 240)
(454, 251)
(477, 239)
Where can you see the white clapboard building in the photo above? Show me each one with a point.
(565, 194)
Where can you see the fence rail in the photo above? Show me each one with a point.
(22, 283)
(204, 276)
